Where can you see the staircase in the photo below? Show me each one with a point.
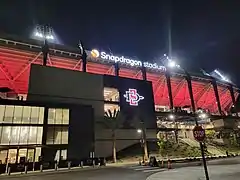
(211, 149)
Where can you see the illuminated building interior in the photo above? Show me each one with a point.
(21, 132)
(111, 98)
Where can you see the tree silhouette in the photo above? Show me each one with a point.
(113, 120)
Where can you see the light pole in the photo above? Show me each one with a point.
(172, 117)
(143, 140)
(44, 33)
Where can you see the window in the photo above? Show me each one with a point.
(17, 117)
(111, 94)
(65, 116)
(58, 116)
(34, 115)
(2, 111)
(17, 135)
(57, 135)
(37, 153)
(111, 107)
(8, 116)
(26, 115)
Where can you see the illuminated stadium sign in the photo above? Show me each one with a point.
(132, 62)
(132, 97)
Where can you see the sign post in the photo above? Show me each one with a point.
(199, 135)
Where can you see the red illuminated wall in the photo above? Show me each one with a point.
(15, 65)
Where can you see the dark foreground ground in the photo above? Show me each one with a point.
(218, 170)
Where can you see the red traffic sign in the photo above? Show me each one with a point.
(199, 133)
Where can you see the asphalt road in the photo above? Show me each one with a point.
(218, 169)
(216, 172)
(108, 173)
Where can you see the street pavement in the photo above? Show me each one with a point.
(107, 173)
(216, 172)
(219, 169)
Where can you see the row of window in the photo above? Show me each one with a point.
(20, 135)
(21, 114)
(32, 115)
(14, 155)
(25, 135)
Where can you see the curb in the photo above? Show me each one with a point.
(51, 171)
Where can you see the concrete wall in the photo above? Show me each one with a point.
(62, 85)
(124, 137)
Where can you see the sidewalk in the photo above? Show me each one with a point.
(50, 171)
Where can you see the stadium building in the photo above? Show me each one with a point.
(56, 111)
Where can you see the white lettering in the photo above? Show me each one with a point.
(103, 55)
(131, 62)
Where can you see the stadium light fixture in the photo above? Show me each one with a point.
(203, 116)
(224, 78)
(44, 32)
(171, 116)
(170, 62)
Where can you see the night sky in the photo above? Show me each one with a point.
(205, 33)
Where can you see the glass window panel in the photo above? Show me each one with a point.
(41, 115)
(65, 116)
(39, 135)
(6, 132)
(22, 153)
(12, 155)
(59, 116)
(65, 136)
(34, 115)
(30, 155)
(2, 111)
(24, 135)
(15, 135)
(50, 134)
(32, 139)
(64, 154)
(51, 115)
(57, 135)
(18, 112)
(26, 115)
(37, 153)
(8, 116)
(3, 156)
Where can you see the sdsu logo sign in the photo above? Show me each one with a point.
(132, 97)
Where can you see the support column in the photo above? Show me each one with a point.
(214, 83)
(168, 77)
(189, 82)
(83, 56)
(45, 129)
(144, 73)
(116, 69)
(232, 94)
(230, 87)
(45, 51)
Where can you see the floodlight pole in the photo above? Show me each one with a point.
(189, 81)
(45, 48)
(83, 55)
(45, 51)
(144, 142)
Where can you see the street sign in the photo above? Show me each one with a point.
(199, 133)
